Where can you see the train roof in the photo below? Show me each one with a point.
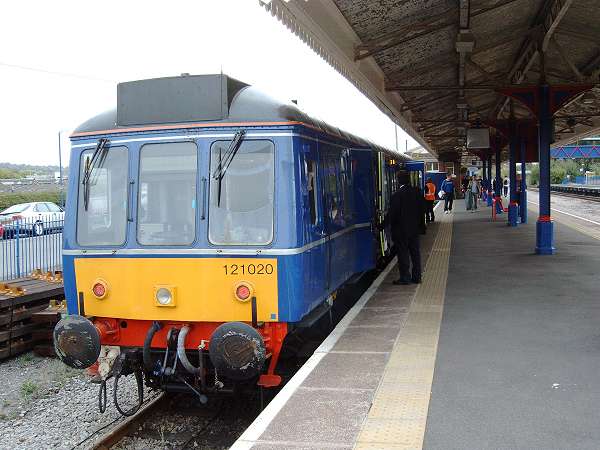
(213, 100)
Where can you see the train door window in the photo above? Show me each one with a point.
(386, 183)
(241, 208)
(311, 185)
(346, 184)
(102, 216)
(334, 204)
(167, 194)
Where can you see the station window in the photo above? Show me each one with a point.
(167, 194)
(242, 198)
(104, 221)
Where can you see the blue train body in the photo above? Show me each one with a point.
(329, 189)
(316, 258)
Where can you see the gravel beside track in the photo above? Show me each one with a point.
(44, 404)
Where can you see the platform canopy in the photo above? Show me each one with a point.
(436, 67)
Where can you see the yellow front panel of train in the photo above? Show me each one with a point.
(203, 289)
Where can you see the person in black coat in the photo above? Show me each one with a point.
(405, 216)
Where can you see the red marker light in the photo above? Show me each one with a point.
(99, 290)
(242, 292)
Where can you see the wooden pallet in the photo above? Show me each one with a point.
(16, 346)
(45, 321)
(24, 320)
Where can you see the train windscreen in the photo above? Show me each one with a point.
(167, 194)
(102, 216)
(241, 202)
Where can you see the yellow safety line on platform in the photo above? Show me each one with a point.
(398, 415)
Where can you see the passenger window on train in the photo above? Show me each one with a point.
(103, 222)
(242, 193)
(346, 182)
(167, 194)
(311, 181)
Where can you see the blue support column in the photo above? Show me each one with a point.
(483, 181)
(523, 199)
(498, 191)
(513, 209)
(544, 242)
(490, 201)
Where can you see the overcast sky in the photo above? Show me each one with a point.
(60, 62)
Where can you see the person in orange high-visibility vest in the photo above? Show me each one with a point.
(429, 199)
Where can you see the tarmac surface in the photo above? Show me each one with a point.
(519, 350)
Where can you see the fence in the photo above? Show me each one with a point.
(587, 179)
(30, 244)
(592, 179)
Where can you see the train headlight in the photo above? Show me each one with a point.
(243, 291)
(164, 296)
(100, 289)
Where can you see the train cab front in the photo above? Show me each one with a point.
(180, 348)
(150, 290)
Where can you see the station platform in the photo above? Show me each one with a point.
(498, 348)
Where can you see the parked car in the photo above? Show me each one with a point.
(33, 218)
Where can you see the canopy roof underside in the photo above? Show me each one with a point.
(433, 65)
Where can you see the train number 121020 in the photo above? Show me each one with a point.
(248, 269)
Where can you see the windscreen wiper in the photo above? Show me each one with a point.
(96, 161)
(225, 161)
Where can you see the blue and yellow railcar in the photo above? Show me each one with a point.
(206, 221)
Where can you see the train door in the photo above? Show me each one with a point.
(330, 209)
(314, 226)
(383, 198)
(416, 169)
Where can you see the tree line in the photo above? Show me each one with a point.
(561, 168)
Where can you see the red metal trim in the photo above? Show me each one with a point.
(528, 96)
(131, 333)
(544, 219)
(568, 91)
(277, 335)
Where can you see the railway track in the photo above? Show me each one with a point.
(178, 422)
(120, 429)
(572, 194)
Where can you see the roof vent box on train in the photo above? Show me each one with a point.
(180, 99)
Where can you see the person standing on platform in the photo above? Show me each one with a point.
(483, 184)
(429, 199)
(473, 191)
(506, 182)
(464, 183)
(497, 187)
(447, 188)
(405, 217)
